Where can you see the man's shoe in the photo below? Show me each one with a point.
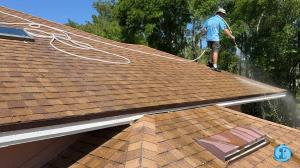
(216, 69)
(209, 64)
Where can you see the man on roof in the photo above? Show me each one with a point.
(211, 28)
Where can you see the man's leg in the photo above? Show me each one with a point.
(215, 54)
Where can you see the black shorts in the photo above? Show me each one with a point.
(215, 46)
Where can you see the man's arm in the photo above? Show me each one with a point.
(229, 35)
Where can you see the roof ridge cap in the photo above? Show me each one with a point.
(140, 130)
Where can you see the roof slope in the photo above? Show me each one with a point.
(168, 140)
(40, 83)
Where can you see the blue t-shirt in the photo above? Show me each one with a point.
(213, 26)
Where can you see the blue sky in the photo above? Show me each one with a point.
(55, 10)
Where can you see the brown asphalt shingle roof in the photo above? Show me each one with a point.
(39, 84)
(169, 140)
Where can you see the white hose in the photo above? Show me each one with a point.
(65, 35)
(34, 31)
(225, 23)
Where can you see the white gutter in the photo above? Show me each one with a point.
(251, 100)
(42, 133)
(48, 132)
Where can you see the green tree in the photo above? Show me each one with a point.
(103, 24)
(199, 11)
(270, 38)
(268, 33)
(159, 24)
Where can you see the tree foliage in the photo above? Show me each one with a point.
(158, 23)
(268, 33)
(104, 24)
(199, 12)
(270, 38)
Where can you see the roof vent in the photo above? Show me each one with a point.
(234, 143)
(15, 34)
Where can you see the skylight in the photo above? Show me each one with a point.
(14, 33)
(234, 143)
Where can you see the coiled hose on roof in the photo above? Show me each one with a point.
(65, 35)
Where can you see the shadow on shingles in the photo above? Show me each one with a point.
(83, 146)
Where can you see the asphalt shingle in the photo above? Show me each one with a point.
(40, 85)
(147, 143)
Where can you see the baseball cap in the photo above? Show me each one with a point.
(221, 10)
